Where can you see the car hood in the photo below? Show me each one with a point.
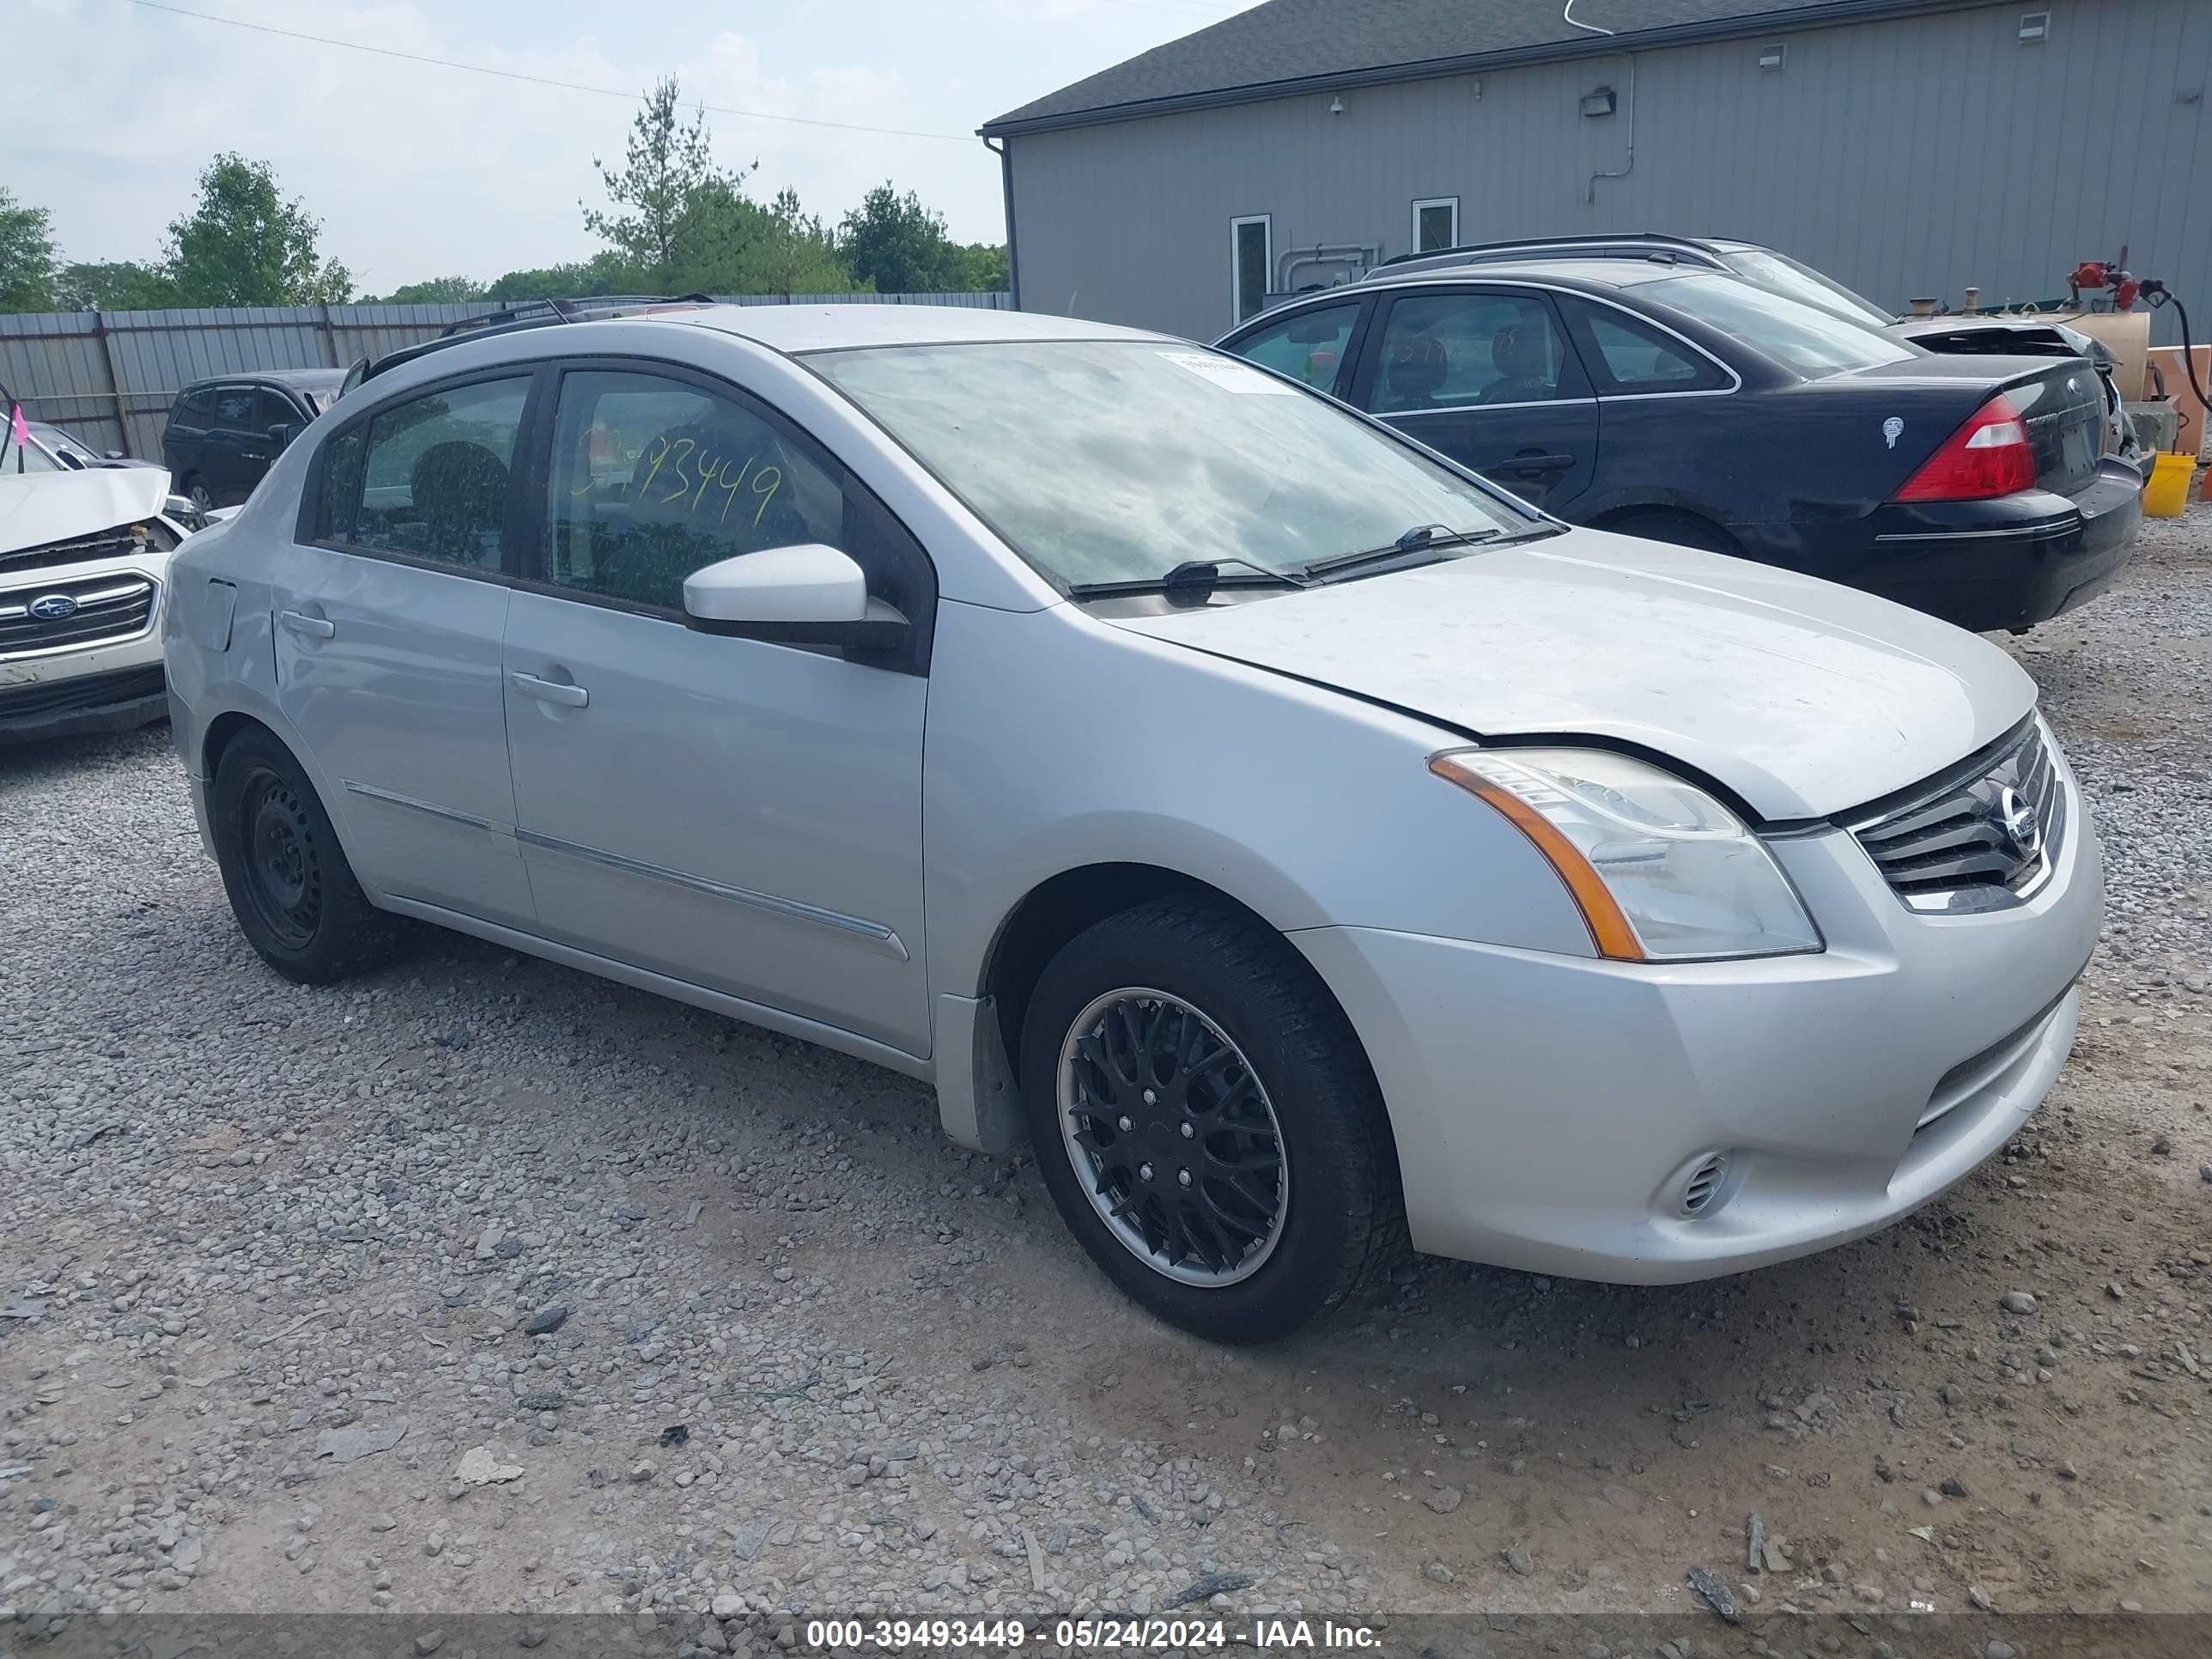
(1803, 698)
(36, 508)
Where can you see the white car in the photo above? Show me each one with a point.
(83, 553)
(1299, 843)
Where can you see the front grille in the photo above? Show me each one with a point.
(1975, 1073)
(121, 543)
(1974, 842)
(91, 611)
(80, 692)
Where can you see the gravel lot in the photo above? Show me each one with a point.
(712, 1322)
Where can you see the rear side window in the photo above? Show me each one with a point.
(428, 478)
(1308, 347)
(195, 407)
(1812, 341)
(1627, 356)
(233, 406)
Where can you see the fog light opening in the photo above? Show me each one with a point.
(1705, 1188)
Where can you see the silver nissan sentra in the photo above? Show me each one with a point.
(1306, 847)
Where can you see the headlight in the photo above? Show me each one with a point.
(1661, 870)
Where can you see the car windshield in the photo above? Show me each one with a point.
(62, 444)
(1784, 275)
(1803, 338)
(1107, 461)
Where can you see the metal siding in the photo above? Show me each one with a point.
(57, 362)
(1905, 158)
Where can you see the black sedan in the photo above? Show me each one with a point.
(1690, 406)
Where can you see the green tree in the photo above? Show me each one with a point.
(733, 244)
(899, 245)
(436, 291)
(27, 256)
(603, 273)
(666, 169)
(244, 244)
(983, 268)
(114, 285)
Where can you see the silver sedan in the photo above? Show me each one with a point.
(1305, 847)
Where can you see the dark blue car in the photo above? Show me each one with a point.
(1687, 405)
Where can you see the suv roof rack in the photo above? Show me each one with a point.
(1658, 242)
(527, 313)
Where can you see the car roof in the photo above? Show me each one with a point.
(797, 328)
(306, 379)
(1564, 273)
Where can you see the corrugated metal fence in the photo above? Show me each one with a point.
(108, 378)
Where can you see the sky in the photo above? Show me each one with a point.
(419, 171)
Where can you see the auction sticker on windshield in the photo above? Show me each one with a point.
(1229, 375)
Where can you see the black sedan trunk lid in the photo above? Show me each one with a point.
(2060, 400)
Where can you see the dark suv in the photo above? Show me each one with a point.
(224, 431)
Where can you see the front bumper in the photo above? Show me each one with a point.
(1547, 1108)
(107, 685)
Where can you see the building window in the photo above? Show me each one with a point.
(1435, 223)
(1251, 258)
(2034, 28)
(1769, 55)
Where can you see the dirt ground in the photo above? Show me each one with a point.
(240, 1215)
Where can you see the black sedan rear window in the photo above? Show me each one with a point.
(1803, 338)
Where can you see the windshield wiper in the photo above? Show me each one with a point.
(1419, 539)
(1196, 578)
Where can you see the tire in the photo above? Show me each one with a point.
(290, 887)
(196, 492)
(1310, 1236)
(1680, 529)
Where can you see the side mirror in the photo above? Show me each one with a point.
(808, 595)
(283, 432)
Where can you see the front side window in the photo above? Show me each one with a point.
(428, 478)
(1116, 460)
(275, 408)
(654, 478)
(1251, 249)
(1450, 351)
(1310, 346)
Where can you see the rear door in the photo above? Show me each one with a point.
(237, 449)
(391, 615)
(1485, 374)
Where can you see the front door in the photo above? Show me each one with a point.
(1486, 376)
(389, 622)
(729, 813)
(237, 454)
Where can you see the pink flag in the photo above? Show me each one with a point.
(23, 427)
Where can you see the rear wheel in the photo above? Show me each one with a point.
(1206, 1123)
(290, 887)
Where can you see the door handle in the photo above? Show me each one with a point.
(256, 454)
(568, 697)
(1537, 463)
(307, 627)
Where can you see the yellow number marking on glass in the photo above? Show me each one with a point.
(659, 454)
(707, 469)
(762, 477)
(731, 487)
(683, 447)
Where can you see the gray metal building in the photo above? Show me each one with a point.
(1907, 147)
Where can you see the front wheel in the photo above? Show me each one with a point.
(1207, 1124)
(196, 492)
(290, 887)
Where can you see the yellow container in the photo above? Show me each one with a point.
(2167, 492)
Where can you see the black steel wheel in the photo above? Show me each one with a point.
(1207, 1123)
(290, 887)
